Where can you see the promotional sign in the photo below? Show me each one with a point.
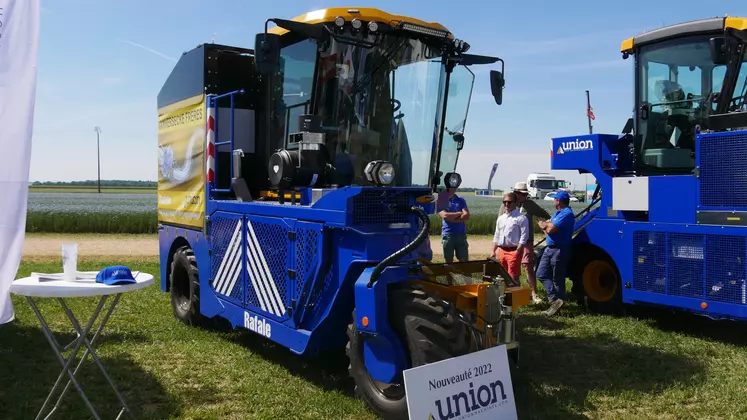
(19, 43)
(181, 166)
(473, 386)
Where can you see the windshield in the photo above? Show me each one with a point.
(548, 184)
(676, 82)
(379, 103)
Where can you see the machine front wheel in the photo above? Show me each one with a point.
(431, 331)
(601, 285)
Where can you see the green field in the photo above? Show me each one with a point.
(63, 209)
(90, 189)
(649, 365)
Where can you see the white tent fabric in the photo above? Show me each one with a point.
(19, 43)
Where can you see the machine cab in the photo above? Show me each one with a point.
(358, 97)
(684, 75)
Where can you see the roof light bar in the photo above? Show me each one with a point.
(423, 30)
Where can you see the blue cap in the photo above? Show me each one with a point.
(562, 195)
(116, 274)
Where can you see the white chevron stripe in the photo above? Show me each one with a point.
(262, 279)
(251, 266)
(230, 266)
(275, 294)
(233, 273)
(232, 247)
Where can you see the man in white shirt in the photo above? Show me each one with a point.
(511, 235)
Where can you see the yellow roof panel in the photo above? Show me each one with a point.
(349, 13)
(709, 25)
(736, 23)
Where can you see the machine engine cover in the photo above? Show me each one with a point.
(282, 168)
(290, 169)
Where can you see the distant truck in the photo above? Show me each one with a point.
(540, 184)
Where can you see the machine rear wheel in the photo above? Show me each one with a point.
(185, 287)
(430, 330)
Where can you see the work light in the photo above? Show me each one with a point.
(379, 172)
(453, 180)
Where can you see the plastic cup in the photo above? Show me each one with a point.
(69, 261)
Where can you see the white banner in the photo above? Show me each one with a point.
(476, 386)
(19, 43)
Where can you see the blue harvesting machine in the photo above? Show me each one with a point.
(296, 181)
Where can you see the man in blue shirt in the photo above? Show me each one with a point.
(553, 265)
(453, 228)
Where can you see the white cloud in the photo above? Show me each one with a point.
(151, 50)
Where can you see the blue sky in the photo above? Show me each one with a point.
(103, 63)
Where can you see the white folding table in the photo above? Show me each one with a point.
(84, 286)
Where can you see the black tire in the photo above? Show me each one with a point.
(600, 283)
(431, 331)
(185, 288)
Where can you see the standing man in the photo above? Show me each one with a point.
(453, 227)
(511, 236)
(553, 264)
(531, 210)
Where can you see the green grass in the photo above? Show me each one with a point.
(91, 222)
(649, 365)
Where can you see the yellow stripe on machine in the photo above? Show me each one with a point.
(350, 13)
(737, 23)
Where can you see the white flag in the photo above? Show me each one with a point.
(19, 43)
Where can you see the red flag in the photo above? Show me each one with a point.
(590, 113)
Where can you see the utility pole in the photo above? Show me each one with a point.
(97, 129)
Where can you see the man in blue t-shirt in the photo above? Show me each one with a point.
(553, 265)
(454, 214)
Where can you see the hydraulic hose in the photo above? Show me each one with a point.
(422, 235)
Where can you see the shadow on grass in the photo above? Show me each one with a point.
(557, 373)
(692, 325)
(328, 369)
(30, 368)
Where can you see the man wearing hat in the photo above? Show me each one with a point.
(531, 210)
(553, 264)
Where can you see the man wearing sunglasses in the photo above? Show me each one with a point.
(511, 236)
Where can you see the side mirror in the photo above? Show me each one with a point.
(459, 139)
(718, 50)
(496, 85)
(267, 52)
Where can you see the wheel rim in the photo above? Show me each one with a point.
(600, 281)
(181, 288)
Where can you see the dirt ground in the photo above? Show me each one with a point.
(147, 245)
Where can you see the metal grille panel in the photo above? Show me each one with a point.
(372, 207)
(307, 242)
(708, 267)
(226, 274)
(686, 265)
(268, 242)
(723, 170)
(725, 265)
(649, 262)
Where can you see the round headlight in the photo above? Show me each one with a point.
(339, 21)
(373, 26)
(386, 173)
(356, 23)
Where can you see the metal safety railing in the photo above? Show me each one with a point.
(212, 106)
